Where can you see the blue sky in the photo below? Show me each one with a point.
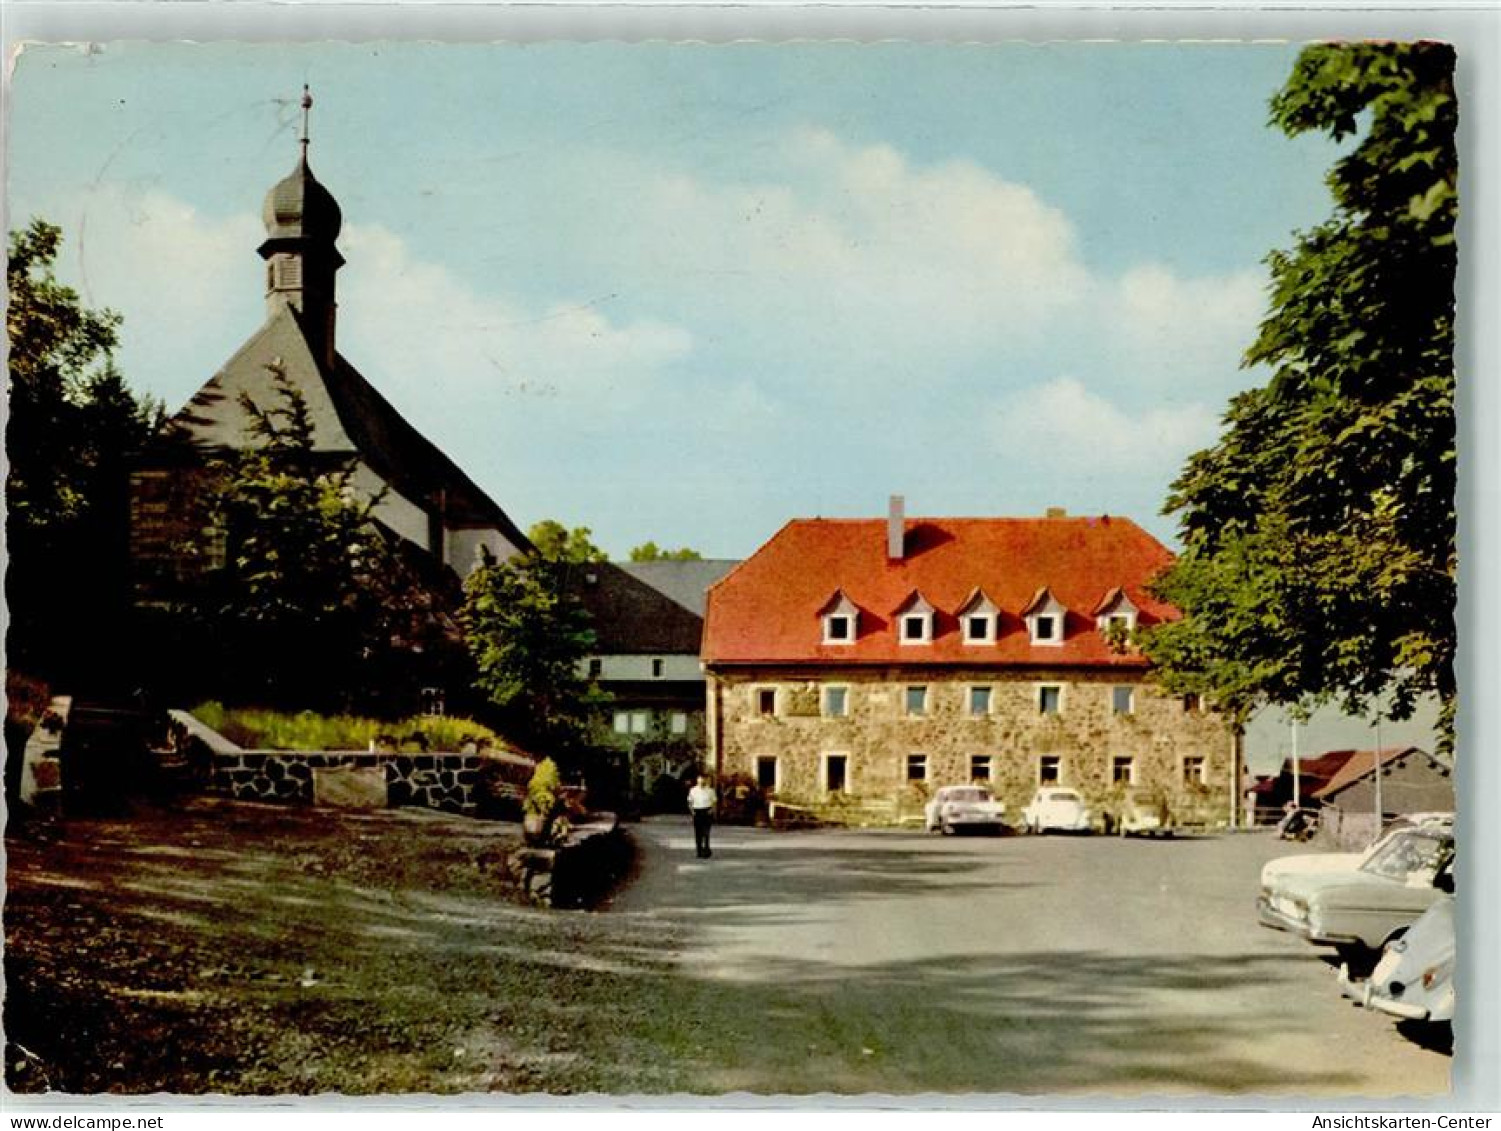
(685, 293)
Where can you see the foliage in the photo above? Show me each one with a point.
(1319, 532)
(73, 424)
(651, 552)
(555, 542)
(546, 805)
(259, 728)
(528, 635)
(309, 602)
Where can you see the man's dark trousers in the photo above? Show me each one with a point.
(703, 820)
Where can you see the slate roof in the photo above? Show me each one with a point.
(350, 418)
(632, 618)
(687, 583)
(766, 610)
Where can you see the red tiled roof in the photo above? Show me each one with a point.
(1359, 763)
(767, 610)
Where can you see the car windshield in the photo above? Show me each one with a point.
(1063, 795)
(1414, 851)
(968, 794)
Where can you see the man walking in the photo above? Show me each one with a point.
(701, 801)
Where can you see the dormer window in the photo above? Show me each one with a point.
(1115, 615)
(841, 620)
(915, 621)
(978, 617)
(1044, 615)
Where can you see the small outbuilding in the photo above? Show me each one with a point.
(1410, 781)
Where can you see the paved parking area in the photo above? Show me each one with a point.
(898, 961)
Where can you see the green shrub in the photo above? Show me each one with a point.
(259, 729)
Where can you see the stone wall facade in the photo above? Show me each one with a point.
(433, 781)
(1111, 731)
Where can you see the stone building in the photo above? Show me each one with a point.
(866, 662)
(424, 497)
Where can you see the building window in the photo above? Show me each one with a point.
(1049, 699)
(1193, 702)
(917, 767)
(596, 668)
(1193, 770)
(980, 767)
(836, 702)
(766, 702)
(1123, 700)
(1123, 770)
(678, 721)
(836, 773)
(640, 721)
(978, 629)
(656, 669)
(432, 701)
(979, 701)
(917, 700)
(766, 772)
(1049, 769)
(915, 628)
(1118, 623)
(838, 628)
(1044, 628)
(622, 722)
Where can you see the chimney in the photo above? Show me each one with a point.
(896, 529)
(1057, 512)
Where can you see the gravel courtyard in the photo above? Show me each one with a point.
(250, 949)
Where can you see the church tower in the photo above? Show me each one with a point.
(302, 223)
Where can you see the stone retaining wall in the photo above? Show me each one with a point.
(579, 872)
(433, 781)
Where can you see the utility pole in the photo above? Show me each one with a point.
(1297, 770)
(1376, 767)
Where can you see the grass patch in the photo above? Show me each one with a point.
(259, 729)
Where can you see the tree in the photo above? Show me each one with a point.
(529, 634)
(309, 602)
(1319, 532)
(651, 552)
(72, 428)
(556, 542)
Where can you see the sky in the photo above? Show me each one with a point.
(685, 293)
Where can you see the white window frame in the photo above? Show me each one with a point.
(989, 760)
(640, 722)
(1130, 761)
(823, 700)
(776, 702)
(1035, 623)
(823, 771)
(849, 620)
(907, 761)
(1130, 690)
(927, 700)
(1057, 761)
(986, 637)
(1201, 777)
(925, 634)
(678, 722)
(969, 700)
(1128, 621)
(1041, 688)
(622, 722)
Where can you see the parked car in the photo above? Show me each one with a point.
(1273, 871)
(1056, 809)
(1139, 816)
(1358, 911)
(956, 807)
(1414, 980)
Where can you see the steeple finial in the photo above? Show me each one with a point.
(307, 104)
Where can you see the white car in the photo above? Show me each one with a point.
(1054, 808)
(956, 807)
(1274, 871)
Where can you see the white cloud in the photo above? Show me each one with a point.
(1062, 428)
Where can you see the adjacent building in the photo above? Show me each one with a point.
(872, 661)
(1357, 802)
(648, 624)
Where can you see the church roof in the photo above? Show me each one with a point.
(350, 418)
(299, 207)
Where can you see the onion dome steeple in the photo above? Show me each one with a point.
(302, 222)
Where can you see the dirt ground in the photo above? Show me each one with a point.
(241, 948)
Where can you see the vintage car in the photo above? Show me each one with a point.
(956, 807)
(1054, 808)
(1142, 816)
(1360, 910)
(1273, 871)
(1414, 980)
